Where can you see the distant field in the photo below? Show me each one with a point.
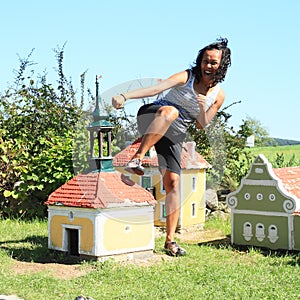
(271, 152)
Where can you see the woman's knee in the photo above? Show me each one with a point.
(170, 113)
(171, 181)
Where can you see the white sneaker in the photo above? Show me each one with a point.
(134, 166)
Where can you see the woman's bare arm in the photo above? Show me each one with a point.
(205, 117)
(174, 80)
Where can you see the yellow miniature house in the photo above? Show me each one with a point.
(192, 183)
(101, 213)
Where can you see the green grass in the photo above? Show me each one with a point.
(210, 271)
(271, 152)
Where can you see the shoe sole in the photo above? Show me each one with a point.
(136, 171)
(170, 253)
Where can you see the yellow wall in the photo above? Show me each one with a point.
(190, 197)
(132, 232)
(87, 231)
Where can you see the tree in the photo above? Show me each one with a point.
(261, 134)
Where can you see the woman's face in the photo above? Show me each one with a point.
(210, 63)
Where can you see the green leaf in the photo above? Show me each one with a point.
(7, 193)
(40, 186)
(15, 195)
(3, 174)
(5, 159)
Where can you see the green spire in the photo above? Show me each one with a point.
(100, 133)
(99, 119)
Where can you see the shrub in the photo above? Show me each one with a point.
(224, 148)
(37, 134)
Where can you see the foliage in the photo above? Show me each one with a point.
(224, 148)
(125, 129)
(281, 162)
(261, 134)
(37, 125)
(280, 156)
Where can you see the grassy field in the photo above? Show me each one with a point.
(212, 270)
(271, 152)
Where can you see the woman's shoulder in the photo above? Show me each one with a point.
(220, 94)
(189, 77)
(181, 77)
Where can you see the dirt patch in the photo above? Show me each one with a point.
(195, 235)
(57, 270)
(69, 271)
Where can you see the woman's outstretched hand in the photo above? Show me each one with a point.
(118, 101)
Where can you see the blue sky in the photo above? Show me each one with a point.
(127, 40)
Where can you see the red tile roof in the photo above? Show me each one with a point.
(101, 190)
(290, 178)
(123, 157)
(190, 159)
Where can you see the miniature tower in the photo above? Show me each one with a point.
(100, 139)
(101, 213)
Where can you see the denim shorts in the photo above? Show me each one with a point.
(169, 147)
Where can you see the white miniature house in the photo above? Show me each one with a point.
(101, 213)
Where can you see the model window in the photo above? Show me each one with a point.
(71, 216)
(247, 231)
(259, 196)
(193, 209)
(146, 182)
(194, 184)
(163, 212)
(162, 188)
(272, 197)
(247, 196)
(260, 232)
(259, 170)
(273, 233)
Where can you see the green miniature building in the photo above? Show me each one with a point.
(265, 209)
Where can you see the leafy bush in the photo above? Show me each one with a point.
(280, 161)
(224, 148)
(37, 134)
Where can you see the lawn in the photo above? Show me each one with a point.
(213, 269)
(271, 152)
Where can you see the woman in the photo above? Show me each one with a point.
(194, 96)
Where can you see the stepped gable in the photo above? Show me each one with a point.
(100, 190)
(290, 178)
(190, 158)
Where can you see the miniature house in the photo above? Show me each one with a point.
(101, 213)
(192, 183)
(265, 209)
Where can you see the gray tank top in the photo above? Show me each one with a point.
(184, 99)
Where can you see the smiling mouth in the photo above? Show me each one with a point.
(207, 73)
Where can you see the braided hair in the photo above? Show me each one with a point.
(220, 44)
